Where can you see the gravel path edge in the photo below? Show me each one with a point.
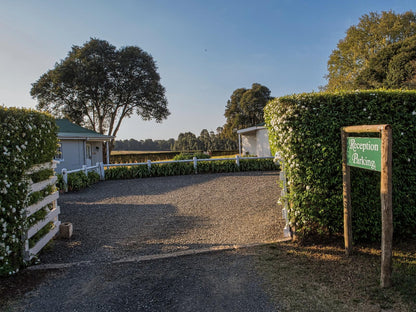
(56, 266)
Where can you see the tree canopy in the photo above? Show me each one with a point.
(97, 86)
(362, 42)
(394, 67)
(245, 108)
(206, 141)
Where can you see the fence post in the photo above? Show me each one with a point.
(195, 163)
(65, 178)
(84, 168)
(149, 164)
(285, 211)
(237, 160)
(102, 173)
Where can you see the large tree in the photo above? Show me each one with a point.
(245, 108)
(394, 67)
(362, 42)
(97, 86)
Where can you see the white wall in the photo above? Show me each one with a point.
(256, 143)
(249, 144)
(73, 155)
(263, 145)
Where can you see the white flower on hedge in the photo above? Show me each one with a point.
(408, 160)
(364, 109)
(413, 113)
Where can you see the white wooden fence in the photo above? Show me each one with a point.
(99, 167)
(52, 215)
(194, 161)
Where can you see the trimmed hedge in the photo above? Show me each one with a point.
(27, 138)
(306, 130)
(170, 169)
(78, 180)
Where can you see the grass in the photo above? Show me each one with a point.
(323, 278)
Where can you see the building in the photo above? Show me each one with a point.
(79, 146)
(254, 141)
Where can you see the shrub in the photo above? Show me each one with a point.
(305, 129)
(27, 138)
(78, 180)
(170, 169)
(121, 172)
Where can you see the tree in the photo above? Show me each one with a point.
(362, 42)
(394, 67)
(97, 86)
(245, 109)
(186, 142)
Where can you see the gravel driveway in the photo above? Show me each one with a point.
(117, 224)
(120, 219)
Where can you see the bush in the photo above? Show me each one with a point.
(27, 138)
(78, 180)
(121, 172)
(306, 130)
(170, 169)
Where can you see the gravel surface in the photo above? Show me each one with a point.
(119, 219)
(219, 281)
(115, 220)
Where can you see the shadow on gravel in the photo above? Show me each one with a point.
(221, 281)
(118, 231)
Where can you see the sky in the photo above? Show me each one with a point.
(204, 50)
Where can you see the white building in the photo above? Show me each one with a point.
(254, 141)
(79, 146)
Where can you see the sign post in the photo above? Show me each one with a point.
(372, 154)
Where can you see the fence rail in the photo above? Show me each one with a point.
(194, 160)
(99, 167)
(52, 214)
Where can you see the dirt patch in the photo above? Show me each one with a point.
(323, 278)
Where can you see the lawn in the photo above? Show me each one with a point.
(322, 278)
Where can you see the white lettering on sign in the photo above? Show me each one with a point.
(363, 146)
(363, 161)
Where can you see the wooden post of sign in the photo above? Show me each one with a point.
(346, 196)
(385, 195)
(386, 207)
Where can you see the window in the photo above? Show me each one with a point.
(59, 153)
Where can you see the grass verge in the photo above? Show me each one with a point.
(323, 278)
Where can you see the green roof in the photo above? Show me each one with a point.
(70, 130)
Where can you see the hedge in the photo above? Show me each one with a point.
(170, 169)
(27, 138)
(78, 180)
(306, 128)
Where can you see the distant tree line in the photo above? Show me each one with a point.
(206, 141)
(144, 145)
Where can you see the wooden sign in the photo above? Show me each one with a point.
(364, 153)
